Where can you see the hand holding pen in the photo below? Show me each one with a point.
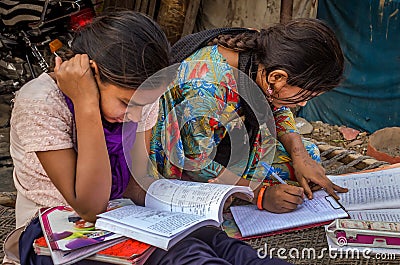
(279, 198)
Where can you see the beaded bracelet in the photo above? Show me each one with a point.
(260, 197)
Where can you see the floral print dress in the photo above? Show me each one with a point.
(198, 110)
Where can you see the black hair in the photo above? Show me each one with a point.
(127, 46)
(306, 49)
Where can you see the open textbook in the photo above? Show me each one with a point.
(378, 189)
(173, 209)
(320, 210)
(372, 196)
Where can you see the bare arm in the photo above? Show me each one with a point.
(140, 153)
(85, 179)
(306, 169)
(139, 182)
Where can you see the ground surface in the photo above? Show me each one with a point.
(331, 135)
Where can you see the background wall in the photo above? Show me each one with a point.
(255, 13)
(369, 97)
(369, 32)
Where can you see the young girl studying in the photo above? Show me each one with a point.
(287, 65)
(66, 136)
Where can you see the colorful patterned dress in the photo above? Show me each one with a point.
(199, 109)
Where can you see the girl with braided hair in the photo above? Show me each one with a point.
(287, 65)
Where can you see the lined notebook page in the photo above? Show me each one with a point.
(252, 221)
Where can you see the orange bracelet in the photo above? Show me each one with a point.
(260, 197)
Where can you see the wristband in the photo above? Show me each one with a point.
(260, 197)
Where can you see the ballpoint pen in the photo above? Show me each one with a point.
(270, 170)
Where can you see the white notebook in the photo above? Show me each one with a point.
(321, 209)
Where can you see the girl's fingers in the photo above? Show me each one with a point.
(84, 60)
(294, 200)
(307, 191)
(58, 62)
(340, 189)
(316, 187)
(332, 192)
(293, 190)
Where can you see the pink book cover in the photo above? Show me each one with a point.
(65, 230)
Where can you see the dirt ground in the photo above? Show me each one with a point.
(331, 135)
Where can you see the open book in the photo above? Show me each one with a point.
(378, 189)
(70, 238)
(173, 209)
(373, 196)
(320, 210)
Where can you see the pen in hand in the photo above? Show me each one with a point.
(270, 170)
(289, 198)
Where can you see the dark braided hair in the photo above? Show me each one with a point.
(241, 42)
(306, 49)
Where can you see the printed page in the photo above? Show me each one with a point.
(204, 199)
(252, 221)
(386, 215)
(371, 190)
(166, 224)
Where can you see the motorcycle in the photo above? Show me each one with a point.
(27, 29)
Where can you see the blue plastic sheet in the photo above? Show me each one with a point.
(369, 97)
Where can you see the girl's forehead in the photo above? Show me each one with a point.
(141, 97)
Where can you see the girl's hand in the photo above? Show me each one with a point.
(282, 198)
(308, 171)
(76, 80)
